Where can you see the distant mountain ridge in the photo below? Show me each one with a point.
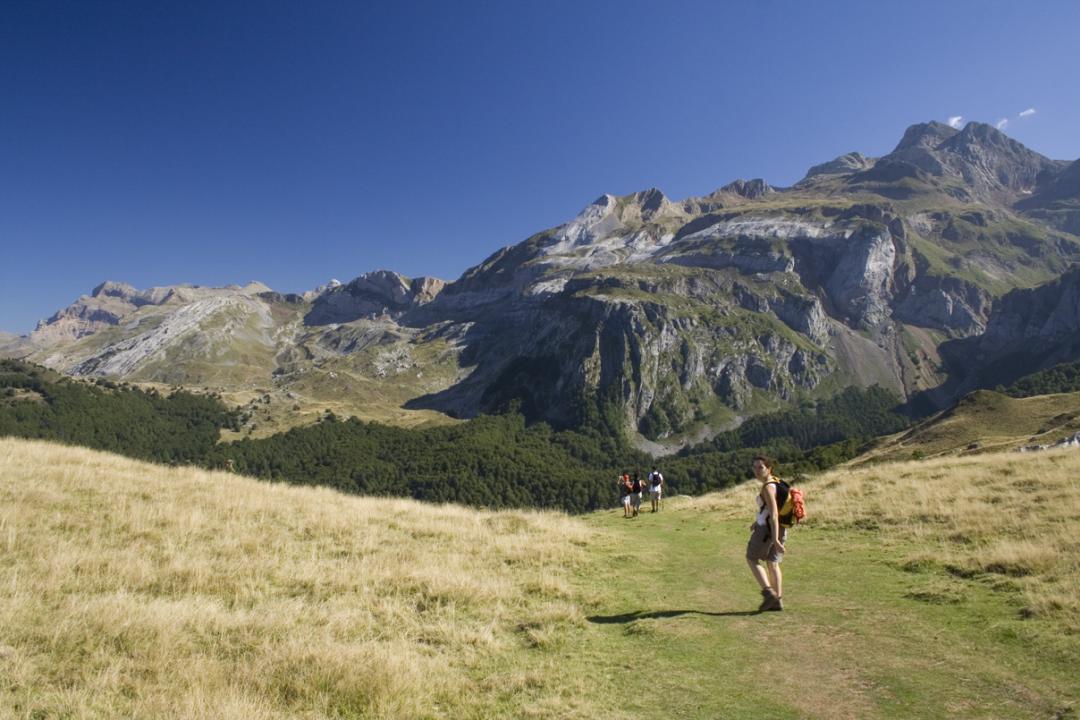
(679, 317)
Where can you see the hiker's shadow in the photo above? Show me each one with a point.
(657, 614)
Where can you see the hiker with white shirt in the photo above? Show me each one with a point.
(656, 488)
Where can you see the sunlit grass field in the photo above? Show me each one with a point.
(923, 589)
(133, 590)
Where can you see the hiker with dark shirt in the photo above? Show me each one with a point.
(635, 492)
(767, 538)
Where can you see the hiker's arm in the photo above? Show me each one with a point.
(774, 515)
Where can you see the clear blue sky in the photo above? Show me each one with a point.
(291, 142)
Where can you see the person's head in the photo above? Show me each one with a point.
(763, 467)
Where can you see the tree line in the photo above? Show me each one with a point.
(1063, 378)
(491, 461)
(179, 427)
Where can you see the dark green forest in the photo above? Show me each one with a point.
(177, 428)
(491, 461)
(1061, 378)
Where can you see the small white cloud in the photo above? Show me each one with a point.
(1002, 123)
(955, 121)
(1028, 113)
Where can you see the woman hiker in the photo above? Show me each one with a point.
(626, 488)
(767, 538)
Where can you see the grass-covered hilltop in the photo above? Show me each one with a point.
(915, 589)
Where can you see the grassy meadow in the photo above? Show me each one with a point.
(920, 590)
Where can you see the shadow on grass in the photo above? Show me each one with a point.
(655, 614)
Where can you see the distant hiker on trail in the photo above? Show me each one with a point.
(656, 487)
(767, 536)
(626, 487)
(635, 492)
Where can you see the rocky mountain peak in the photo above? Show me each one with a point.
(749, 189)
(989, 159)
(993, 166)
(925, 135)
(112, 288)
(385, 283)
(643, 206)
(649, 200)
(851, 162)
(382, 292)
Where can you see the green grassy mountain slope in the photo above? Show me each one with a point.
(984, 421)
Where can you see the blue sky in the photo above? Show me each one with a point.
(216, 143)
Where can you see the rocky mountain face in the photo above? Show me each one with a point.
(111, 302)
(1029, 329)
(680, 316)
(1057, 203)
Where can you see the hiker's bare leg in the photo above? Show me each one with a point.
(759, 573)
(776, 578)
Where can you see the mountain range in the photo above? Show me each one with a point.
(940, 267)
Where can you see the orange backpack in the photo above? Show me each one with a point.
(789, 504)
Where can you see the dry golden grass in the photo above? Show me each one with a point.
(1010, 518)
(134, 590)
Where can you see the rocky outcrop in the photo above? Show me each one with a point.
(749, 189)
(12, 345)
(1058, 203)
(861, 284)
(945, 303)
(1043, 315)
(372, 295)
(844, 165)
(112, 302)
(188, 327)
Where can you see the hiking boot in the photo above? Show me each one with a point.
(778, 605)
(769, 601)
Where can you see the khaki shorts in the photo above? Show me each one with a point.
(760, 546)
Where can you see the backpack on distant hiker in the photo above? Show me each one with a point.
(789, 503)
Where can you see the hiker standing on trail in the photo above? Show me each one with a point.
(626, 488)
(635, 493)
(656, 487)
(767, 537)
